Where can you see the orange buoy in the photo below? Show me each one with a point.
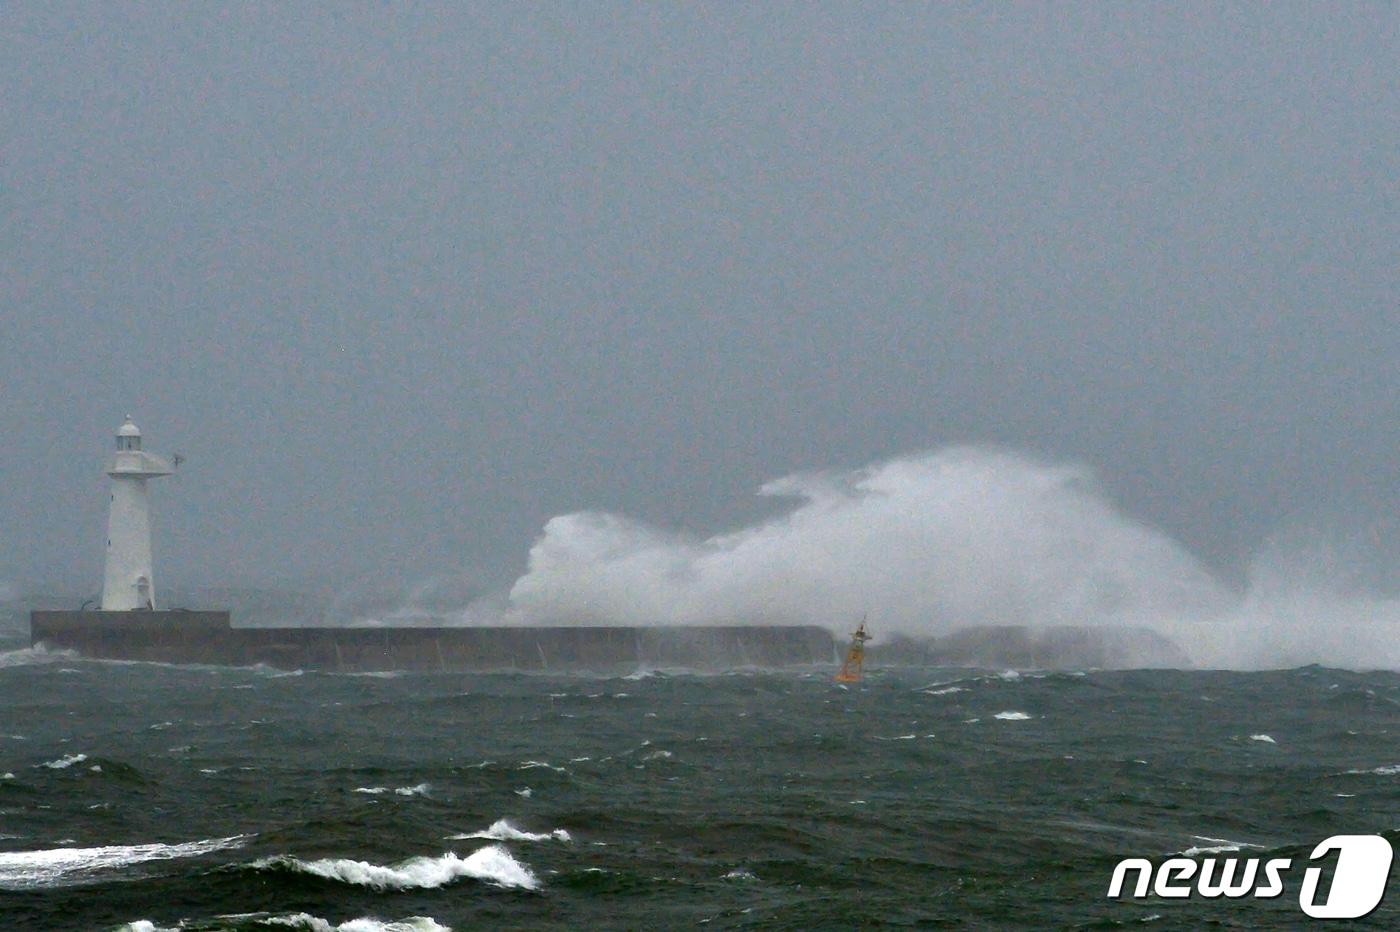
(855, 656)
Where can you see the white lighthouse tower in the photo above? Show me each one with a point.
(127, 583)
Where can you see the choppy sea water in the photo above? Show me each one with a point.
(144, 796)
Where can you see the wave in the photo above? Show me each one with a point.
(976, 537)
(28, 656)
(502, 830)
(420, 790)
(27, 870)
(64, 762)
(366, 924)
(304, 921)
(492, 864)
(1220, 846)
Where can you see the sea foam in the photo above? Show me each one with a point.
(304, 921)
(492, 864)
(26, 870)
(27, 656)
(420, 790)
(1387, 771)
(64, 762)
(1221, 846)
(502, 830)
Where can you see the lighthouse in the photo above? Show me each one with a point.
(127, 583)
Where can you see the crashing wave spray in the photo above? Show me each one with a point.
(927, 544)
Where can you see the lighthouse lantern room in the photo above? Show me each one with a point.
(127, 583)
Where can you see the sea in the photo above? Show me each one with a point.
(142, 797)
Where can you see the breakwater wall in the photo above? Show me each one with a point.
(209, 637)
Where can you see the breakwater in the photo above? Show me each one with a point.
(209, 637)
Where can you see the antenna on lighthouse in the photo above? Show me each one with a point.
(127, 582)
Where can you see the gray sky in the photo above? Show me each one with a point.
(402, 283)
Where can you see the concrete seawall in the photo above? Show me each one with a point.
(208, 637)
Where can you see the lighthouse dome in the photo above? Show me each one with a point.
(128, 435)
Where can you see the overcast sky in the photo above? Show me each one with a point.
(402, 283)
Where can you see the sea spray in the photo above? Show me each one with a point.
(964, 536)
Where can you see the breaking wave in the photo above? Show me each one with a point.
(964, 536)
(502, 830)
(28, 656)
(492, 864)
(1218, 846)
(63, 763)
(25, 870)
(420, 790)
(304, 921)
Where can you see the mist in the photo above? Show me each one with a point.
(963, 536)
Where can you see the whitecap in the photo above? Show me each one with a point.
(365, 924)
(304, 921)
(896, 738)
(492, 864)
(502, 830)
(1265, 738)
(533, 764)
(64, 762)
(1012, 716)
(27, 656)
(7, 775)
(24, 870)
(420, 790)
(740, 873)
(657, 755)
(1387, 771)
(1220, 846)
(525, 791)
(945, 691)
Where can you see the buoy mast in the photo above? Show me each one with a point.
(854, 663)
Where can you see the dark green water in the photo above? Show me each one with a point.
(242, 798)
